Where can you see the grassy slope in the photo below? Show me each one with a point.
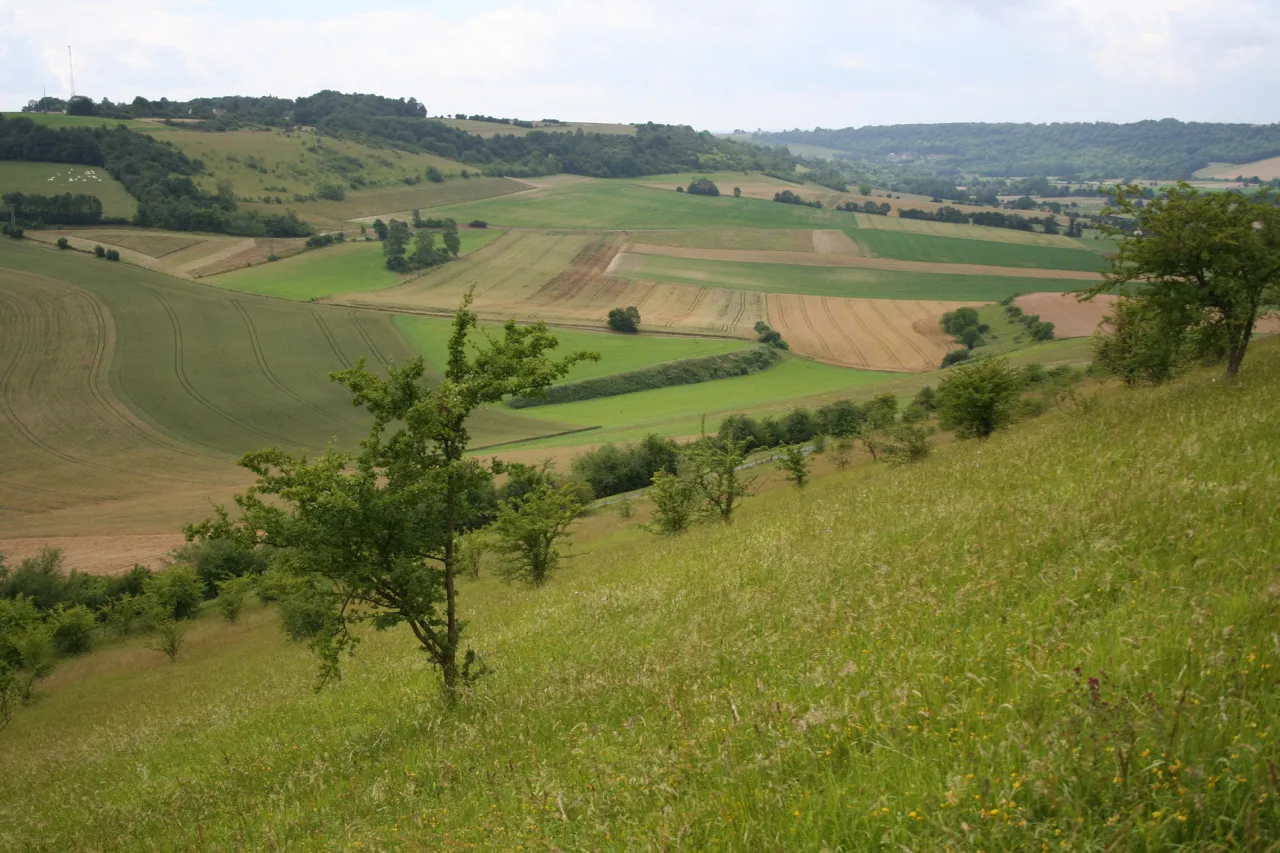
(1082, 659)
(490, 128)
(905, 246)
(59, 120)
(618, 353)
(54, 179)
(234, 372)
(352, 267)
(839, 281)
(396, 200)
(615, 204)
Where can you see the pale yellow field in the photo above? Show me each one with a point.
(967, 232)
(180, 254)
(1267, 170)
(874, 334)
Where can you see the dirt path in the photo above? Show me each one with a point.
(814, 259)
(834, 243)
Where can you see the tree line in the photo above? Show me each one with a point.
(157, 174)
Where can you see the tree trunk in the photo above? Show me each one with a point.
(1236, 349)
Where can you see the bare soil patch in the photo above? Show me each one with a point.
(834, 243)
(245, 253)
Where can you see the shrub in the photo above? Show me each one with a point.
(906, 443)
(176, 592)
(796, 465)
(613, 469)
(232, 593)
(979, 398)
(331, 192)
(113, 255)
(703, 186)
(99, 252)
(63, 243)
(72, 629)
(675, 503)
(679, 189)
(624, 319)
(168, 637)
(217, 560)
(434, 175)
(477, 223)
(955, 356)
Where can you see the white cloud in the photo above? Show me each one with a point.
(714, 63)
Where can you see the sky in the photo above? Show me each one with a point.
(714, 64)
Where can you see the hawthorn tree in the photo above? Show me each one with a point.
(1207, 263)
(530, 528)
(796, 465)
(374, 537)
(979, 397)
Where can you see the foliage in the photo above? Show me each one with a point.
(1208, 263)
(176, 592)
(955, 356)
(978, 398)
(113, 255)
(99, 252)
(1154, 149)
(624, 319)
(529, 529)
(714, 467)
(905, 443)
(795, 463)
(1138, 344)
(377, 533)
(703, 186)
(675, 498)
(788, 197)
(686, 371)
(168, 635)
(770, 336)
(331, 192)
(232, 595)
(611, 469)
(65, 209)
(72, 629)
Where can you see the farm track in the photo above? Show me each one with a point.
(333, 342)
(897, 306)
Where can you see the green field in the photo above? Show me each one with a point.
(351, 267)
(59, 178)
(906, 246)
(59, 120)
(955, 654)
(795, 377)
(233, 372)
(838, 281)
(618, 353)
(622, 204)
(396, 200)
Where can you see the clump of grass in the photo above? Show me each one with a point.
(1061, 636)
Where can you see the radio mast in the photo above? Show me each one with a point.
(71, 66)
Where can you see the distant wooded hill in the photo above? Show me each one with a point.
(1146, 149)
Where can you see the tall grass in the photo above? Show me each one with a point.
(1062, 638)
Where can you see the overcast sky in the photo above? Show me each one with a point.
(715, 64)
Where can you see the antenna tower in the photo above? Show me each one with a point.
(71, 66)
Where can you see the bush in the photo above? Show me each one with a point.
(63, 243)
(113, 255)
(99, 252)
(232, 593)
(703, 186)
(72, 629)
(176, 592)
(979, 398)
(434, 175)
(331, 192)
(955, 356)
(217, 560)
(477, 223)
(612, 470)
(624, 319)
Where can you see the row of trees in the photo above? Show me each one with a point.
(397, 238)
(65, 209)
(989, 218)
(874, 208)
(788, 197)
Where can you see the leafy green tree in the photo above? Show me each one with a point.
(36, 658)
(452, 242)
(864, 189)
(715, 466)
(1141, 344)
(63, 243)
(72, 629)
(978, 398)
(795, 463)
(375, 535)
(99, 252)
(624, 319)
(177, 591)
(425, 253)
(530, 528)
(380, 228)
(737, 192)
(703, 186)
(842, 456)
(906, 443)
(675, 501)
(232, 595)
(434, 175)
(331, 192)
(168, 635)
(1208, 262)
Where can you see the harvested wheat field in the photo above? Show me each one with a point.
(1267, 170)
(874, 334)
(1074, 319)
(968, 232)
(773, 239)
(98, 555)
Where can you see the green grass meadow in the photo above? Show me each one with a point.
(839, 281)
(619, 353)
(1062, 638)
(622, 204)
(18, 176)
(353, 267)
(906, 246)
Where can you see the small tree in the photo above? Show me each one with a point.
(168, 635)
(978, 398)
(36, 659)
(1142, 345)
(796, 464)
(434, 175)
(529, 530)
(99, 252)
(675, 503)
(380, 228)
(906, 443)
(374, 537)
(625, 319)
(703, 186)
(737, 192)
(452, 242)
(721, 484)
(232, 594)
(842, 456)
(113, 255)
(63, 243)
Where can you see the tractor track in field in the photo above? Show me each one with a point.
(924, 357)
(893, 355)
(368, 339)
(190, 388)
(261, 358)
(333, 342)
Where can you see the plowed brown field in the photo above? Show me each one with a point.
(875, 334)
(1073, 319)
